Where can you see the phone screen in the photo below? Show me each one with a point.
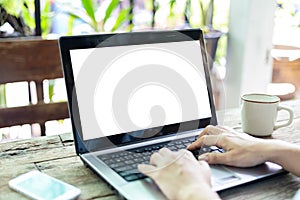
(41, 186)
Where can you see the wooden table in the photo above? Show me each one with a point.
(55, 155)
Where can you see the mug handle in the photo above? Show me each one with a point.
(291, 113)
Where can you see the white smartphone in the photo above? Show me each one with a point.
(40, 186)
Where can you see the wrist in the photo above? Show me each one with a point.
(273, 150)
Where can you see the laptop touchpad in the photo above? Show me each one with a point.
(221, 175)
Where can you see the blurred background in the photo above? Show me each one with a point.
(252, 45)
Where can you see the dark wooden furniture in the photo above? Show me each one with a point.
(31, 60)
(55, 155)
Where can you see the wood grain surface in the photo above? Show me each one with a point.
(55, 155)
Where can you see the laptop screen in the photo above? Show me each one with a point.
(139, 89)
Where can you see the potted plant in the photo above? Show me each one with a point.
(211, 35)
(199, 14)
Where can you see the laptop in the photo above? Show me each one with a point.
(130, 94)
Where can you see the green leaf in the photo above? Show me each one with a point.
(172, 4)
(51, 85)
(203, 13)
(28, 19)
(123, 15)
(30, 5)
(46, 18)
(111, 7)
(129, 28)
(81, 14)
(28, 14)
(89, 8)
(13, 7)
(148, 4)
(71, 24)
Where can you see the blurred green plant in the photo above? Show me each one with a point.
(196, 13)
(47, 16)
(200, 14)
(10, 12)
(98, 24)
(20, 15)
(12, 7)
(51, 85)
(206, 10)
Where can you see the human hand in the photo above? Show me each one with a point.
(179, 175)
(242, 150)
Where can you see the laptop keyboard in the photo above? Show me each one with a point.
(125, 162)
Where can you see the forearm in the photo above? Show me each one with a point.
(285, 154)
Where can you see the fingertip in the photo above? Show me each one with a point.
(203, 157)
(196, 144)
(145, 169)
(165, 150)
(183, 151)
(189, 146)
(141, 167)
(216, 158)
(210, 126)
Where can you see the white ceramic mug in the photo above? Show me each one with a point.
(259, 114)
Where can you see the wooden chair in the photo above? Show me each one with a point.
(31, 60)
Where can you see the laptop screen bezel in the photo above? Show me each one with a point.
(67, 43)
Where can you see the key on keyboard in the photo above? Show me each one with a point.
(125, 163)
